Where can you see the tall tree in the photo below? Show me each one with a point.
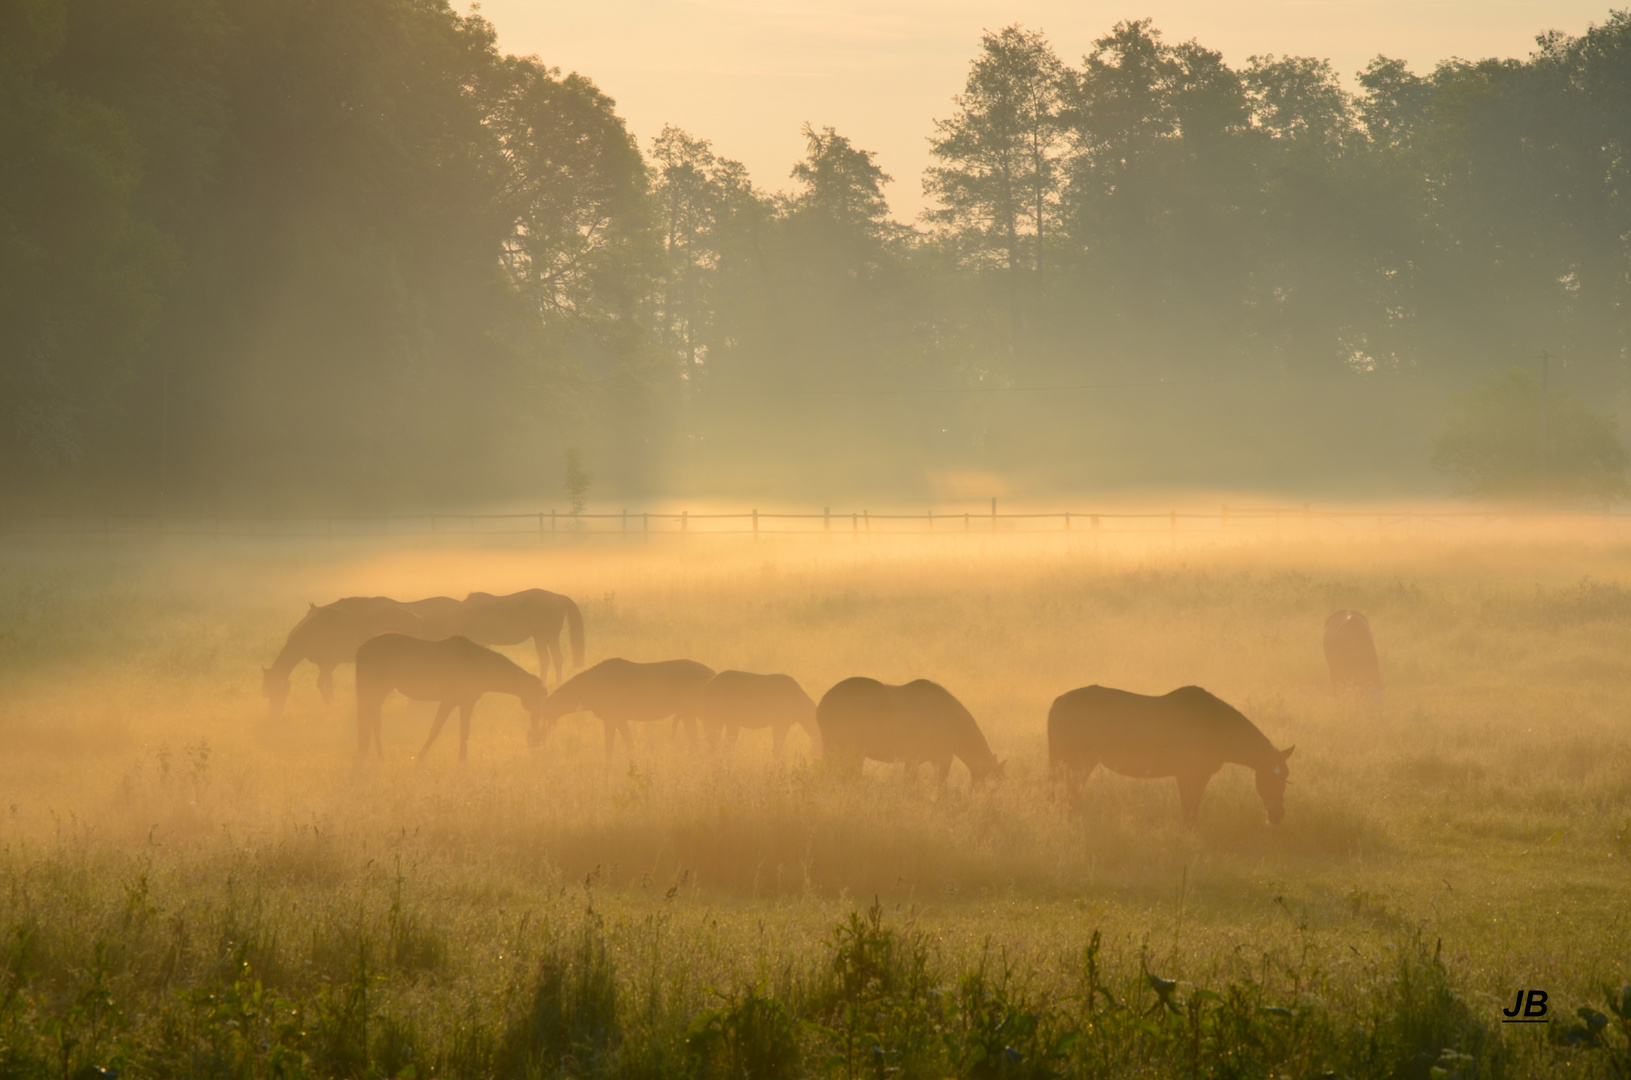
(999, 186)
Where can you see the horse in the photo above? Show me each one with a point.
(621, 692)
(1350, 653)
(921, 721)
(453, 672)
(733, 700)
(1187, 734)
(441, 614)
(328, 636)
(535, 614)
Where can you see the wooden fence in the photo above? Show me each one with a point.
(548, 525)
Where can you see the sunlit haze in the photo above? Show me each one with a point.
(746, 75)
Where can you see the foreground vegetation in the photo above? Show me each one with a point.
(187, 888)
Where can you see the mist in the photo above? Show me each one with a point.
(275, 259)
(484, 595)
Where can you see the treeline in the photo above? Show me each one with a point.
(275, 252)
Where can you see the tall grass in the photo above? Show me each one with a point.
(187, 888)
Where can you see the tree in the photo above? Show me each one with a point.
(1000, 184)
(1510, 441)
(578, 186)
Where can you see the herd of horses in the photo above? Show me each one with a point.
(437, 650)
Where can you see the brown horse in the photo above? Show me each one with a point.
(1187, 734)
(733, 700)
(328, 636)
(1350, 653)
(622, 692)
(921, 721)
(535, 614)
(454, 672)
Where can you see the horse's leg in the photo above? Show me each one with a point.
(1075, 776)
(943, 769)
(325, 682)
(555, 659)
(611, 736)
(442, 710)
(465, 710)
(1190, 786)
(368, 724)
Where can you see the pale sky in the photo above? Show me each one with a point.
(746, 74)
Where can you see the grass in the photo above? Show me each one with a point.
(187, 888)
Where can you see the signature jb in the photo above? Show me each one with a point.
(1532, 1005)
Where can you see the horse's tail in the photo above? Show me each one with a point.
(574, 630)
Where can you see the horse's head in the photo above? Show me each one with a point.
(276, 688)
(1271, 784)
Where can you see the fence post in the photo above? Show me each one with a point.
(1067, 520)
(625, 521)
(993, 513)
(552, 525)
(1175, 521)
(826, 519)
(685, 521)
(756, 523)
(855, 523)
(931, 520)
(866, 515)
(965, 522)
(645, 524)
(540, 526)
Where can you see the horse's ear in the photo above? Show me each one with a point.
(1287, 752)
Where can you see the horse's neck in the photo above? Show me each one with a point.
(1252, 749)
(286, 660)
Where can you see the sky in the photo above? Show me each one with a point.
(747, 74)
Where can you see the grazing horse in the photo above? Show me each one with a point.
(329, 635)
(453, 672)
(1350, 653)
(622, 692)
(733, 700)
(1187, 734)
(441, 614)
(535, 614)
(920, 721)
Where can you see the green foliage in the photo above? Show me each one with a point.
(1509, 441)
(264, 251)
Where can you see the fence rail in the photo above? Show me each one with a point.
(553, 525)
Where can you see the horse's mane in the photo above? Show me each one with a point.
(1225, 714)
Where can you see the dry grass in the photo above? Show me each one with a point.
(1486, 803)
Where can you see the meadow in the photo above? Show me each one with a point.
(189, 888)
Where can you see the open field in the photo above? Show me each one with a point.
(188, 888)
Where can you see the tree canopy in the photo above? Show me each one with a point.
(263, 254)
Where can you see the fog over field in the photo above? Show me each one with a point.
(494, 586)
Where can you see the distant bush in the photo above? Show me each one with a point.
(1510, 440)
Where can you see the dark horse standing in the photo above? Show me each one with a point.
(1350, 653)
(921, 721)
(622, 692)
(733, 700)
(535, 614)
(453, 672)
(1187, 734)
(328, 636)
